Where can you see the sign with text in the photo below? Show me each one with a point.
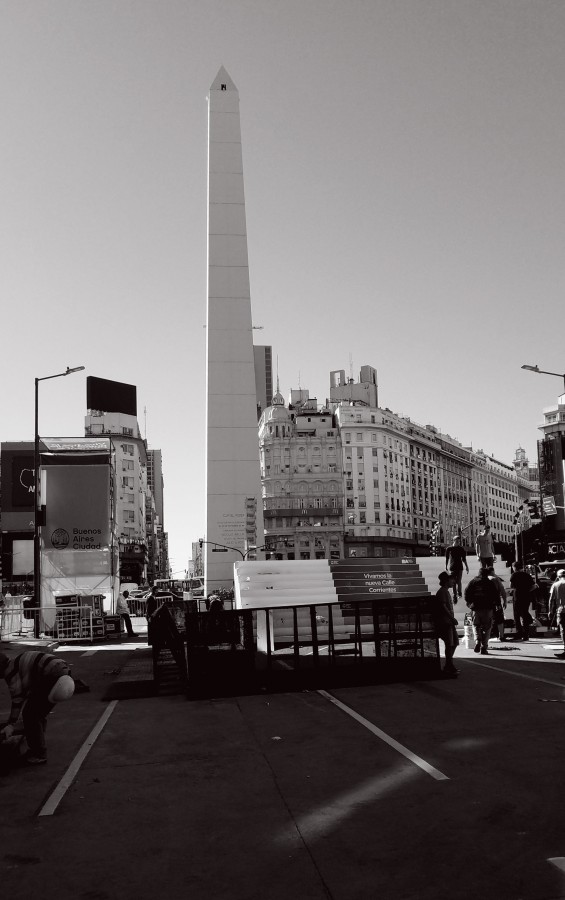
(358, 580)
(77, 500)
(549, 507)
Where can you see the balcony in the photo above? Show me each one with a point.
(316, 511)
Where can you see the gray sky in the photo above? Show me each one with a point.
(403, 165)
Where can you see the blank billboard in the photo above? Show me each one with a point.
(111, 396)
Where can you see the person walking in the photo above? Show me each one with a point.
(482, 596)
(557, 607)
(498, 614)
(445, 622)
(484, 546)
(522, 585)
(36, 681)
(455, 559)
(123, 611)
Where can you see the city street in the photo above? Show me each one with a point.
(437, 789)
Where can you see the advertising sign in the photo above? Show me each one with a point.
(357, 580)
(551, 453)
(23, 481)
(549, 506)
(22, 557)
(77, 500)
(18, 486)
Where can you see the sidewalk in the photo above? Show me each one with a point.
(543, 646)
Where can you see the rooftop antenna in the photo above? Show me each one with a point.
(145, 422)
(351, 367)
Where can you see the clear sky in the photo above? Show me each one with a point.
(405, 191)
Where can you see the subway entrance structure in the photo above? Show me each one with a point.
(315, 623)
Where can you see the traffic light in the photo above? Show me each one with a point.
(482, 518)
(534, 509)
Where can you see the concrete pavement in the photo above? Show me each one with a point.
(424, 790)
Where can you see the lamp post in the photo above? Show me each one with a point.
(543, 372)
(37, 511)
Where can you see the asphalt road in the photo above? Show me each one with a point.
(427, 790)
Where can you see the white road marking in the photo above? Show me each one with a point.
(55, 798)
(517, 674)
(417, 760)
(558, 861)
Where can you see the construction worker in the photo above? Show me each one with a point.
(36, 681)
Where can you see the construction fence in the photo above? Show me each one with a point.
(62, 623)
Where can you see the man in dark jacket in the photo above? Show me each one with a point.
(522, 585)
(481, 596)
(455, 559)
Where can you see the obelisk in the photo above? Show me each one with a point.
(234, 516)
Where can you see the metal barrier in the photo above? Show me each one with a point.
(311, 645)
(13, 622)
(63, 623)
(137, 606)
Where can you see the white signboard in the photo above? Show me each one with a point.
(549, 507)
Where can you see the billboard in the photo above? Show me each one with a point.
(22, 557)
(77, 501)
(111, 396)
(18, 486)
(551, 456)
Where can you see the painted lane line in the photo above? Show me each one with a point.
(517, 674)
(55, 798)
(558, 861)
(417, 760)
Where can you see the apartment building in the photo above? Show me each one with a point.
(301, 476)
(359, 480)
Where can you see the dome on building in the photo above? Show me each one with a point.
(277, 412)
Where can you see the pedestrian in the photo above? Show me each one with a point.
(557, 606)
(123, 611)
(522, 585)
(445, 622)
(455, 559)
(498, 614)
(162, 632)
(482, 596)
(216, 604)
(36, 681)
(484, 546)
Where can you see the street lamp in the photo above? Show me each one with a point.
(543, 372)
(37, 512)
